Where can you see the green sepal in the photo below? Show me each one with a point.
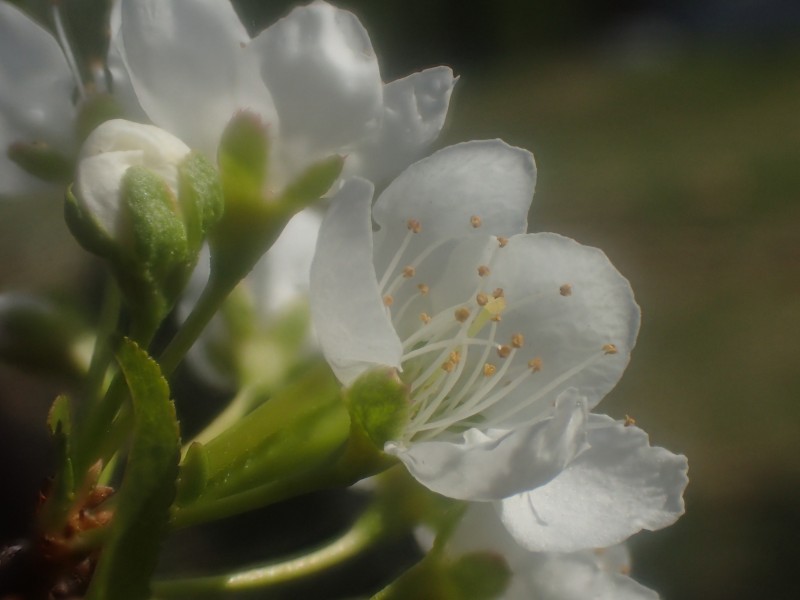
(200, 198)
(193, 474)
(95, 110)
(62, 491)
(130, 553)
(301, 427)
(242, 156)
(42, 161)
(379, 406)
(312, 183)
(85, 229)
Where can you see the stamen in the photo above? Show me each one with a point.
(535, 364)
(483, 270)
(609, 349)
(409, 272)
(565, 290)
(517, 340)
(482, 299)
(475, 221)
(498, 293)
(425, 318)
(504, 351)
(423, 289)
(448, 366)
(414, 226)
(388, 300)
(397, 255)
(489, 369)
(462, 314)
(65, 47)
(629, 420)
(502, 241)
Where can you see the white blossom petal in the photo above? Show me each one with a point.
(414, 110)
(494, 464)
(349, 317)
(616, 488)
(36, 86)
(319, 64)
(181, 84)
(489, 180)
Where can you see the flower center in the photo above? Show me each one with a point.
(460, 362)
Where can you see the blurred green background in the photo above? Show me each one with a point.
(667, 134)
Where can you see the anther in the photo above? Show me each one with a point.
(448, 366)
(502, 241)
(503, 351)
(475, 221)
(455, 357)
(409, 272)
(496, 318)
(483, 270)
(462, 314)
(517, 340)
(489, 369)
(414, 226)
(535, 364)
(388, 300)
(565, 290)
(629, 420)
(425, 318)
(423, 289)
(498, 293)
(609, 349)
(482, 299)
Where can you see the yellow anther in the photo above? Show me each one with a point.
(535, 364)
(517, 340)
(423, 289)
(609, 349)
(496, 318)
(499, 293)
(489, 369)
(455, 357)
(462, 314)
(502, 241)
(482, 299)
(475, 221)
(414, 226)
(448, 366)
(629, 420)
(483, 270)
(388, 300)
(425, 318)
(409, 272)
(503, 351)
(565, 290)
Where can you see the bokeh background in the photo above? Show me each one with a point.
(666, 133)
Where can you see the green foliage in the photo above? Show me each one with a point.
(312, 183)
(200, 197)
(378, 405)
(242, 157)
(130, 553)
(59, 422)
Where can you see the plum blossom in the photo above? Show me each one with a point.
(599, 574)
(36, 84)
(313, 77)
(505, 341)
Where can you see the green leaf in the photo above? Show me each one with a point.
(129, 556)
(62, 492)
(193, 474)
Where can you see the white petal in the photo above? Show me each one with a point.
(616, 488)
(414, 110)
(488, 179)
(319, 65)
(191, 67)
(566, 328)
(35, 94)
(348, 313)
(281, 277)
(495, 464)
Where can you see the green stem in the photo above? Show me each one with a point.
(237, 408)
(216, 291)
(368, 529)
(101, 355)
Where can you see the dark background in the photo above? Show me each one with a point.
(666, 133)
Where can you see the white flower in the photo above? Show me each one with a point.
(107, 154)
(35, 89)
(596, 574)
(313, 77)
(505, 340)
